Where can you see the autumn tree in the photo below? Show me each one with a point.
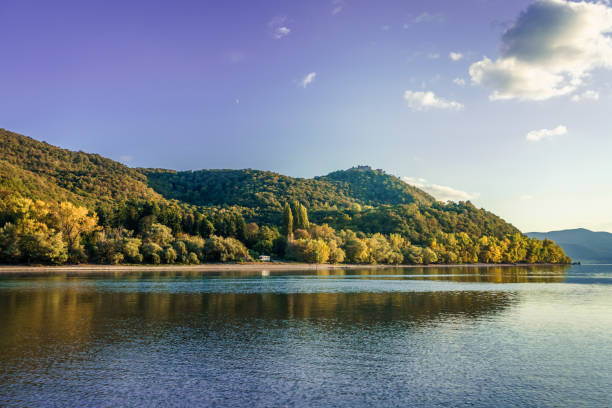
(73, 222)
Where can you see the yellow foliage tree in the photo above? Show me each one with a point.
(73, 222)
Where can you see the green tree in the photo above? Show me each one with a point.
(301, 216)
(287, 220)
(356, 250)
(429, 256)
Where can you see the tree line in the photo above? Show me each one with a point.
(147, 232)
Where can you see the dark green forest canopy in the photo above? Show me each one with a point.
(263, 189)
(156, 215)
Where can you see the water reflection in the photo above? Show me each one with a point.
(394, 336)
(493, 274)
(490, 274)
(73, 313)
(73, 307)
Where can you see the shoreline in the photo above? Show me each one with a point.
(254, 266)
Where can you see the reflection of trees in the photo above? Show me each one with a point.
(347, 308)
(490, 274)
(76, 316)
(33, 318)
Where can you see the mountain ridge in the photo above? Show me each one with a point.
(581, 244)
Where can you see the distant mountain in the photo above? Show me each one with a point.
(581, 244)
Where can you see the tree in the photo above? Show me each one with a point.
(205, 227)
(220, 249)
(73, 222)
(381, 251)
(151, 252)
(300, 233)
(336, 254)
(414, 255)
(301, 216)
(30, 241)
(308, 250)
(158, 234)
(295, 210)
(356, 250)
(317, 251)
(265, 240)
(287, 221)
(130, 247)
(429, 256)
(169, 255)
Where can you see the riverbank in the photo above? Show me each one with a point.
(252, 266)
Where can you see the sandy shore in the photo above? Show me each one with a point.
(254, 266)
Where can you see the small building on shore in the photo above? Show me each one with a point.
(264, 258)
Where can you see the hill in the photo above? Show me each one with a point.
(264, 189)
(360, 199)
(581, 244)
(375, 187)
(60, 206)
(42, 171)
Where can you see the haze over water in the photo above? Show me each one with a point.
(524, 336)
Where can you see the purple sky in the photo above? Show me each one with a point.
(220, 84)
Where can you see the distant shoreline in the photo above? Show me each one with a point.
(255, 266)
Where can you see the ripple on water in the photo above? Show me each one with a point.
(414, 337)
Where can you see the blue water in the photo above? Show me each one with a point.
(530, 336)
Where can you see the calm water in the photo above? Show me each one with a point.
(391, 337)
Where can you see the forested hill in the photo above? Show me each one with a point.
(375, 187)
(42, 171)
(59, 206)
(264, 189)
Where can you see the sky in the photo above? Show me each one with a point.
(504, 103)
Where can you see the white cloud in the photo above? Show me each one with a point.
(459, 81)
(586, 96)
(278, 27)
(538, 135)
(337, 6)
(418, 100)
(385, 27)
(433, 55)
(308, 79)
(126, 158)
(455, 56)
(548, 51)
(441, 193)
(526, 197)
(281, 32)
(427, 17)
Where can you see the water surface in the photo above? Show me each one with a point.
(529, 336)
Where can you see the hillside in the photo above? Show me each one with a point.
(581, 244)
(93, 209)
(360, 199)
(264, 189)
(375, 187)
(42, 171)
